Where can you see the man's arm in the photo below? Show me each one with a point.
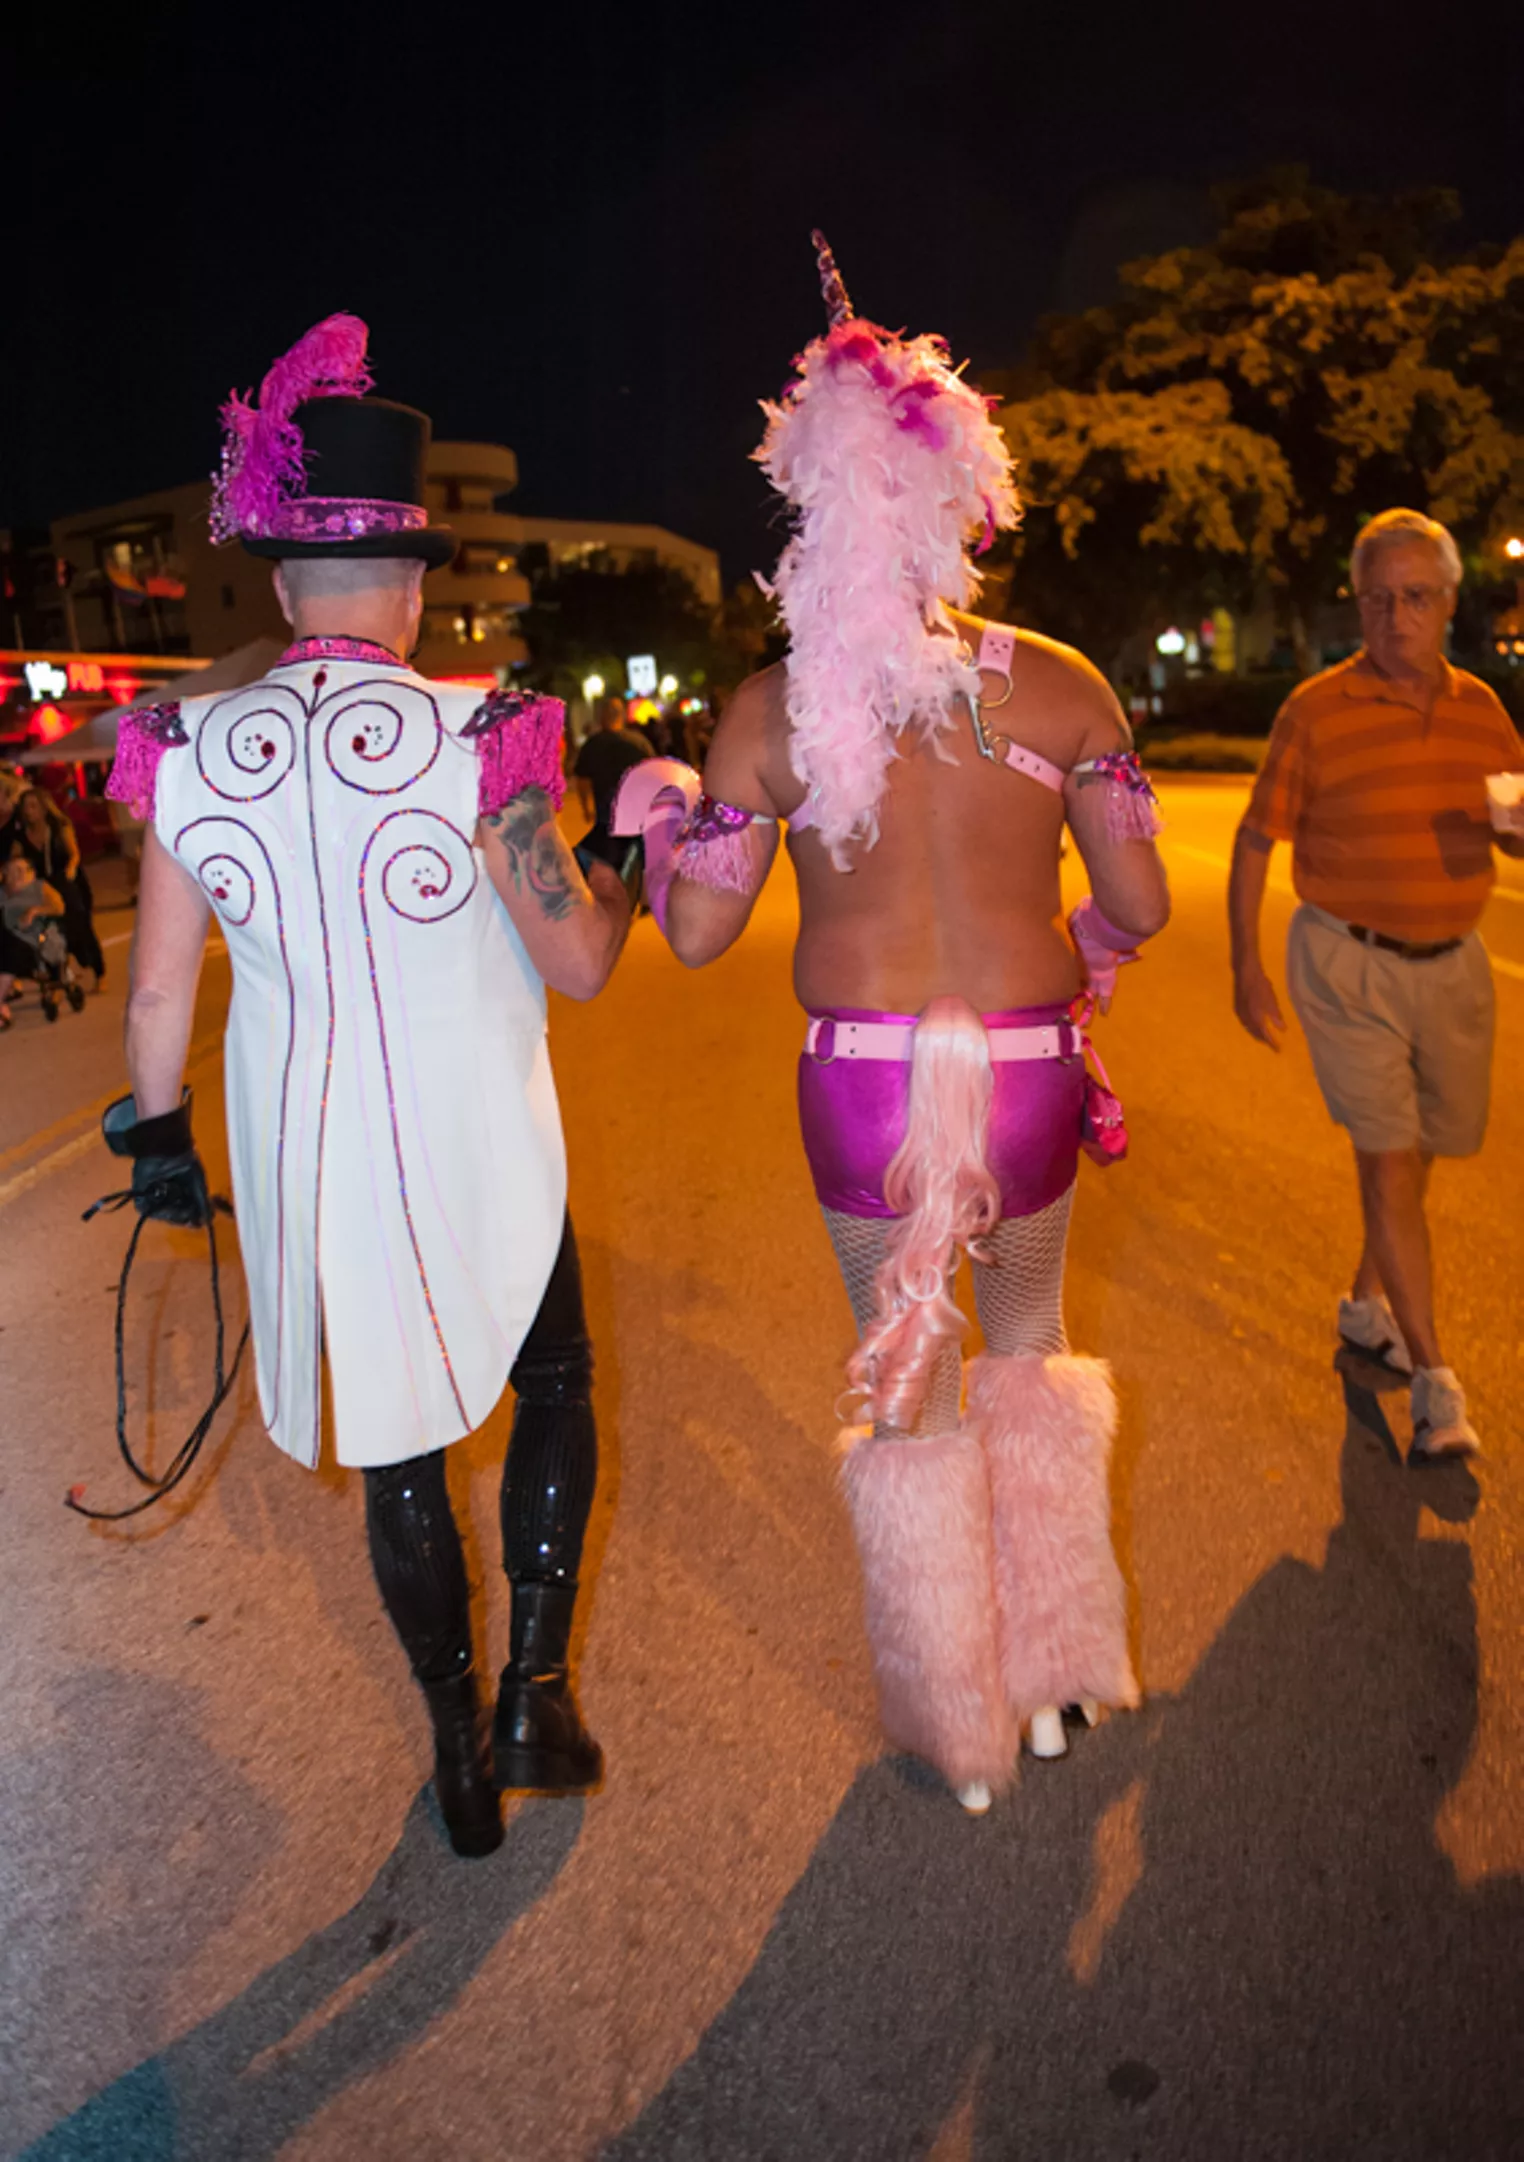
(572, 927)
(704, 921)
(1254, 999)
(167, 945)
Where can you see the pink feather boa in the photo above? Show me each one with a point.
(892, 465)
(262, 456)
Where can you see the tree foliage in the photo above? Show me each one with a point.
(1245, 406)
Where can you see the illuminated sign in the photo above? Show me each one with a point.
(1170, 641)
(86, 676)
(640, 674)
(43, 680)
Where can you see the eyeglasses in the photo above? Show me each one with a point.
(1414, 600)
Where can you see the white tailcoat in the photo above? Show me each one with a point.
(398, 1165)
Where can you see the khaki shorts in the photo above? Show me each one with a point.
(1402, 1049)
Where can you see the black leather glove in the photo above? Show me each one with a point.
(168, 1182)
(624, 855)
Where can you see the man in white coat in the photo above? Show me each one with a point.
(382, 855)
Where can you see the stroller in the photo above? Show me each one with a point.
(51, 963)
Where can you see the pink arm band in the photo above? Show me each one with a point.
(517, 735)
(144, 735)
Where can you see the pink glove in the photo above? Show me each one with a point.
(654, 799)
(1102, 947)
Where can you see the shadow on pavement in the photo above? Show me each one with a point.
(344, 2003)
(1222, 1929)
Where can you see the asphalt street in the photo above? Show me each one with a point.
(1276, 1913)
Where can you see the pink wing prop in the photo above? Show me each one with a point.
(655, 799)
(654, 792)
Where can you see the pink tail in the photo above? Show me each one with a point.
(921, 1512)
(945, 1196)
(1047, 1426)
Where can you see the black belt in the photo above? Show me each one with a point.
(1404, 946)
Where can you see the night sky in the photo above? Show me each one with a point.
(584, 232)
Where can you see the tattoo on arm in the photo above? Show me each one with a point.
(539, 861)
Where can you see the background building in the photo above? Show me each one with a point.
(143, 577)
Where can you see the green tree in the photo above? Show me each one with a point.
(1245, 406)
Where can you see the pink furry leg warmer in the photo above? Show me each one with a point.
(1046, 1425)
(921, 1512)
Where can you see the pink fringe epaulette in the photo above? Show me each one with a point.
(518, 737)
(145, 734)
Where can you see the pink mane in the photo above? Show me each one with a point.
(892, 466)
(262, 455)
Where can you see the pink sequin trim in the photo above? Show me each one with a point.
(726, 863)
(324, 517)
(1132, 808)
(143, 737)
(518, 742)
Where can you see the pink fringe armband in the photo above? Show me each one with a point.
(725, 864)
(518, 738)
(144, 735)
(1132, 808)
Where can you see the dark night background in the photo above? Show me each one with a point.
(584, 232)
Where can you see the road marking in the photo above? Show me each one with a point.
(1278, 881)
(70, 1151)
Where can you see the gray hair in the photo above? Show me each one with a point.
(1403, 525)
(311, 578)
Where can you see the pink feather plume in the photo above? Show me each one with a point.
(262, 455)
(893, 466)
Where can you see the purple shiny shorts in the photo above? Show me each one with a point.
(852, 1114)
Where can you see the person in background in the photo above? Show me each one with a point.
(51, 846)
(604, 759)
(1377, 775)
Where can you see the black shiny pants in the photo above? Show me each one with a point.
(549, 1474)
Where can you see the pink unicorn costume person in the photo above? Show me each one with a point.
(382, 857)
(943, 1089)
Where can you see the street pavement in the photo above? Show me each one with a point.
(1274, 1914)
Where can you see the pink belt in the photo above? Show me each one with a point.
(827, 1040)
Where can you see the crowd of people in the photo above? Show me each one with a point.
(47, 923)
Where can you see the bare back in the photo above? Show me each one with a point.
(961, 891)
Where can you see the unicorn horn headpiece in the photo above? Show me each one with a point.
(892, 467)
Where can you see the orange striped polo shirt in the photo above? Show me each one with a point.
(1385, 806)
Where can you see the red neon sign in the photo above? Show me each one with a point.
(48, 724)
(86, 676)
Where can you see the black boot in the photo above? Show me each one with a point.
(539, 1744)
(462, 1775)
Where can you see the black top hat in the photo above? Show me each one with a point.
(366, 459)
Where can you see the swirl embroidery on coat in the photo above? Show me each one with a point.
(423, 860)
(233, 891)
(380, 737)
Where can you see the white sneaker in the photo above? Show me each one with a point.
(1045, 1735)
(1440, 1425)
(1369, 1326)
(975, 1797)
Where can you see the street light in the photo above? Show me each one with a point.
(668, 686)
(592, 687)
(1513, 547)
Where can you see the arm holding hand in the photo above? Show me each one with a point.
(572, 927)
(167, 945)
(705, 920)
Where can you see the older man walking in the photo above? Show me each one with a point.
(1376, 774)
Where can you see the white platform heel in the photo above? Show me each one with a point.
(975, 1797)
(1045, 1735)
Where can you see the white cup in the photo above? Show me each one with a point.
(1505, 801)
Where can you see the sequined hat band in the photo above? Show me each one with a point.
(340, 517)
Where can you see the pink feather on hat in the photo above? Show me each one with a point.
(263, 462)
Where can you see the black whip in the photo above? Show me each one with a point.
(185, 1456)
